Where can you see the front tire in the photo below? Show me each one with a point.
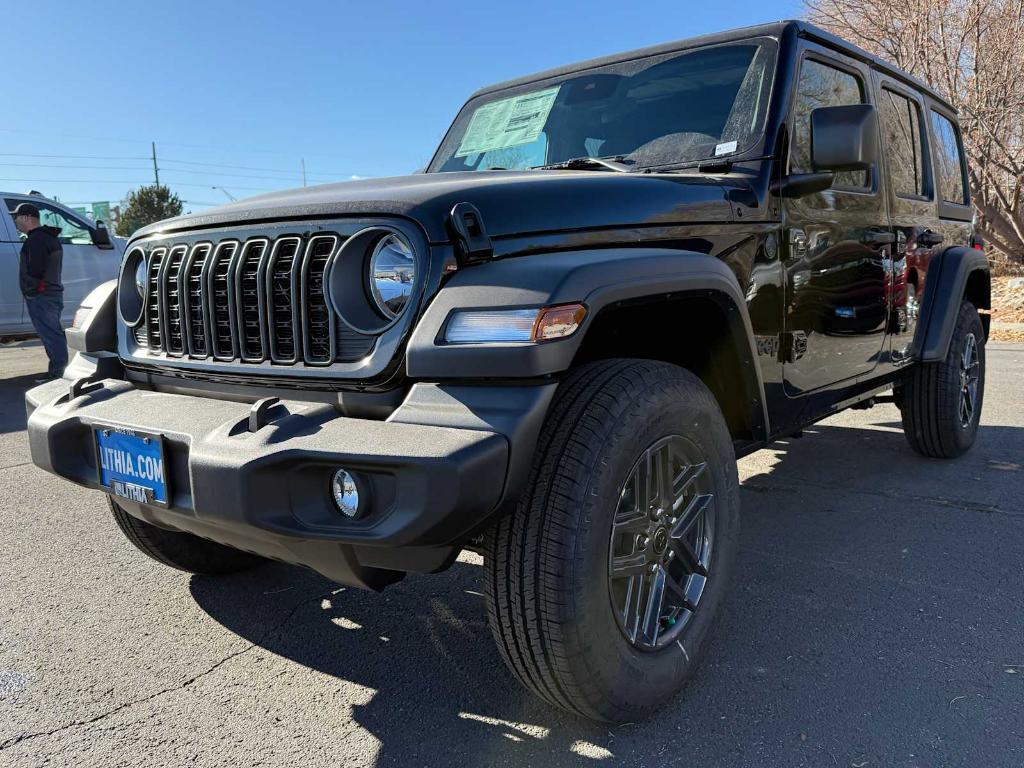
(181, 550)
(603, 583)
(941, 402)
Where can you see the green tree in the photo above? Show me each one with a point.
(146, 205)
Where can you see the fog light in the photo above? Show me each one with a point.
(346, 493)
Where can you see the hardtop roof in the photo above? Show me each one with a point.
(773, 29)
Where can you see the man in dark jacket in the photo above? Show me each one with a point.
(39, 275)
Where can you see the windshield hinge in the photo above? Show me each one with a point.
(714, 166)
(472, 242)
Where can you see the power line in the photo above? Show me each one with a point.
(163, 143)
(73, 157)
(235, 167)
(214, 174)
(127, 181)
(285, 175)
(77, 167)
(330, 174)
(219, 174)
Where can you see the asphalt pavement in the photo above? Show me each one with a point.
(875, 619)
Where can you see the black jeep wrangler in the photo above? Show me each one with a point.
(611, 281)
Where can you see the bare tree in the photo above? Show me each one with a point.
(971, 51)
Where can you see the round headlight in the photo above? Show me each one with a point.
(140, 277)
(392, 275)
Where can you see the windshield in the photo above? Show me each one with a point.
(662, 110)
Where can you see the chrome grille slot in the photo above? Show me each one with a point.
(250, 300)
(192, 294)
(153, 298)
(221, 301)
(283, 309)
(170, 301)
(317, 324)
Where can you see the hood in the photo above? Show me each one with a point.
(510, 202)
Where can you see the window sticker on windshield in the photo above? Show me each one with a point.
(508, 122)
(725, 148)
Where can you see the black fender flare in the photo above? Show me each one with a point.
(596, 278)
(945, 286)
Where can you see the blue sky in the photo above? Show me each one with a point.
(356, 89)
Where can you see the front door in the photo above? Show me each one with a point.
(838, 254)
(12, 316)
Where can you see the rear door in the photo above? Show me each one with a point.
(838, 254)
(949, 169)
(912, 208)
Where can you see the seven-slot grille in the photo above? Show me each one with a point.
(252, 301)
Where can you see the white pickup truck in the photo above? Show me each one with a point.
(91, 256)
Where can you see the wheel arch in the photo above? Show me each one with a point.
(958, 273)
(693, 297)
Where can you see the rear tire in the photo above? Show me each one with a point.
(181, 550)
(941, 402)
(558, 611)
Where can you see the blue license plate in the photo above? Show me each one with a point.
(131, 464)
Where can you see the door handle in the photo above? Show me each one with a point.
(929, 238)
(877, 238)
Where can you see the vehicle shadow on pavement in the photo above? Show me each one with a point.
(839, 595)
(12, 402)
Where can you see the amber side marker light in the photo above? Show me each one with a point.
(558, 322)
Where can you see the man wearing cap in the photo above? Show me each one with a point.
(39, 275)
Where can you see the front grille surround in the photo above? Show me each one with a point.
(255, 301)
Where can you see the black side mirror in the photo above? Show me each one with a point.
(101, 236)
(844, 138)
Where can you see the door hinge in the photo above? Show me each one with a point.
(798, 243)
(793, 347)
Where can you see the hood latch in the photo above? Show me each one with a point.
(472, 242)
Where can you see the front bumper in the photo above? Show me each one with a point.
(432, 484)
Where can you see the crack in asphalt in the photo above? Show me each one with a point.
(15, 466)
(16, 740)
(795, 483)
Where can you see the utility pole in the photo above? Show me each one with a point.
(156, 171)
(303, 171)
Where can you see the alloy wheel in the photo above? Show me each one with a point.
(970, 367)
(661, 543)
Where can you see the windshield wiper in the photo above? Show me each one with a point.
(587, 163)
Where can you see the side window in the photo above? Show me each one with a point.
(901, 138)
(822, 86)
(950, 174)
(72, 231)
(11, 205)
